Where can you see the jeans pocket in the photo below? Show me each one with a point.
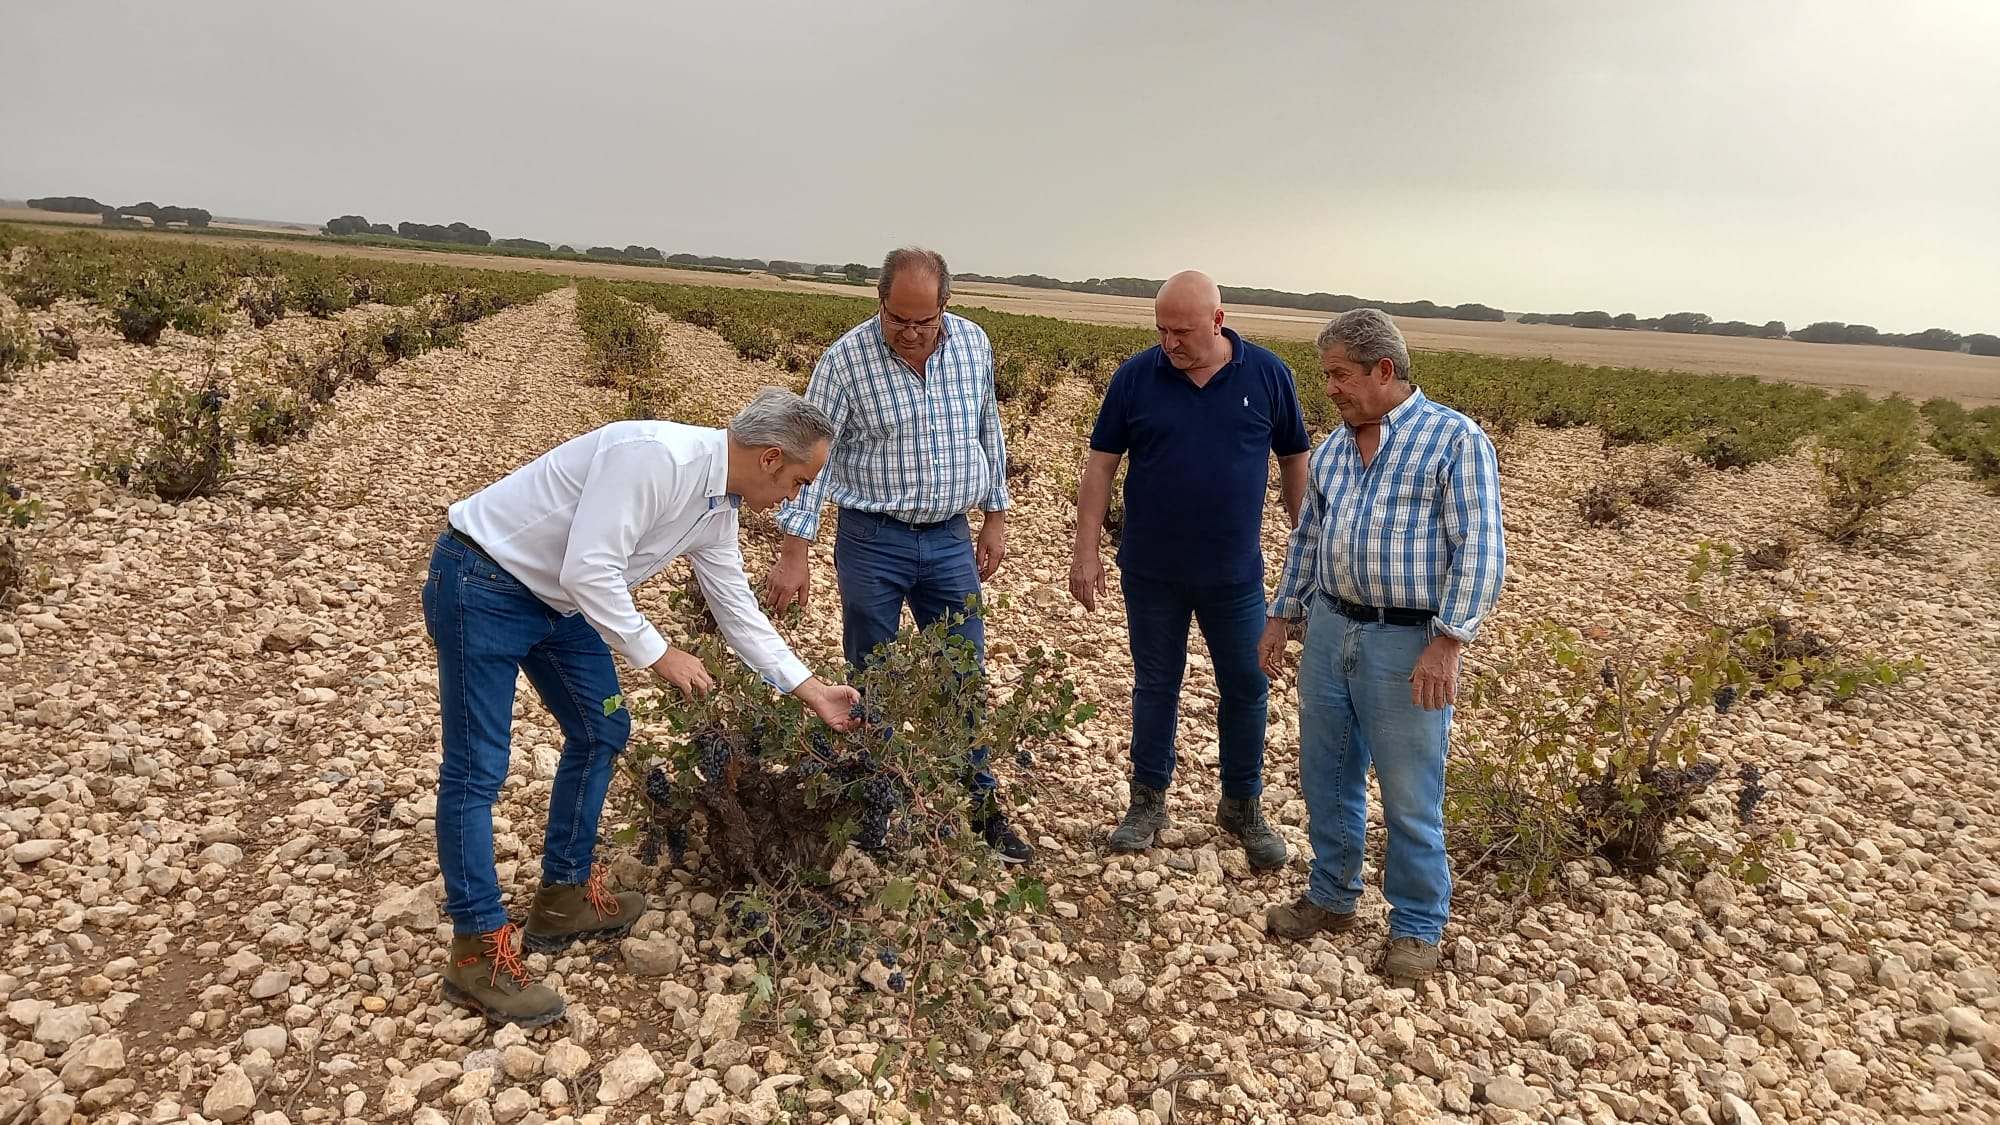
(861, 527)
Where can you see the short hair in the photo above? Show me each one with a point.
(779, 417)
(1369, 336)
(917, 258)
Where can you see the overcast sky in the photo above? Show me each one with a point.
(1796, 159)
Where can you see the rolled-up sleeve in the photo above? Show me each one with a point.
(626, 489)
(1300, 577)
(993, 441)
(1475, 536)
(718, 565)
(826, 390)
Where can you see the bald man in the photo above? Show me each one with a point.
(1200, 416)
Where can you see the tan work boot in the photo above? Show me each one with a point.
(1302, 919)
(1409, 961)
(565, 912)
(486, 974)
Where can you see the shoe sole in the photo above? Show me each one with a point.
(556, 943)
(460, 996)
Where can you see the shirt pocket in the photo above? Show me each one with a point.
(1410, 501)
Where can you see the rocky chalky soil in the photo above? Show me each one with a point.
(218, 745)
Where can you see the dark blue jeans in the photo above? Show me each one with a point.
(1231, 616)
(881, 564)
(488, 629)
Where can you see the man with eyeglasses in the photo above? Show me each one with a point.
(917, 444)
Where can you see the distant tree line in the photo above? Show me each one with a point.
(1819, 332)
(629, 254)
(126, 216)
(458, 234)
(1241, 295)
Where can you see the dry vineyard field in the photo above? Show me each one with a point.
(218, 743)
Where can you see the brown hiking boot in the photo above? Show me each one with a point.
(486, 974)
(1302, 919)
(1409, 961)
(1243, 818)
(565, 912)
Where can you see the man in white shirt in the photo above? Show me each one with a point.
(534, 575)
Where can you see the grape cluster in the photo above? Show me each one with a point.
(649, 844)
(659, 788)
(878, 799)
(887, 956)
(677, 843)
(1609, 677)
(1753, 791)
(896, 981)
(1725, 698)
(712, 756)
(1024, 759)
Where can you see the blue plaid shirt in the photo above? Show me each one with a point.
(921, 450)
(1418, 528)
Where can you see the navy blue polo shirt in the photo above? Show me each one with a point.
(1200, 461)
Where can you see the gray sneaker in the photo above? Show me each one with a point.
(1243, 817)
(1143, 820)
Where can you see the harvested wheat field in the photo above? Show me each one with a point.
(219, 744)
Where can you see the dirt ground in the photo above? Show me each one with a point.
(1973, 380)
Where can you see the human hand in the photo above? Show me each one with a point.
(685, 671)
(1434, 682)
(1271, 646)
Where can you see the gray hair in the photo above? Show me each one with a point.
(919, 259)
(1368, 336)
(779, 417)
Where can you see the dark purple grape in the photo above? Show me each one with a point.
(659, 787)
(896, 981)
(887, 956)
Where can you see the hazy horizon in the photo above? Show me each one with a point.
(1790, 160)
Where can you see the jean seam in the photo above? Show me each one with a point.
(465, 731)
(590, 759)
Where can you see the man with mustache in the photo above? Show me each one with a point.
(1200, 416)
(917, 444)
(1395, 562)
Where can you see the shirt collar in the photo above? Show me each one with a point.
(718, 473)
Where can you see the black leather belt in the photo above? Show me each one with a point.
(469, 541)
(933, 526)
(1386, 616)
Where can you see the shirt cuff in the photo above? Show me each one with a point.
(647, 648)
(789, 674)
(798, 524)
(1290, 608)
(1461, 632)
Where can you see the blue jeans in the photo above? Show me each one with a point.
(882, 563)
(488, 629)
(1355, 708)
(1156, 623)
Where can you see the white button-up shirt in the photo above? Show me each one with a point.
(582, 524)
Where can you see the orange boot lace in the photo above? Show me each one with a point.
(601, 898)
(501, 948)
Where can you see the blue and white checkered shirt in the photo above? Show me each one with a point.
(921, 450)
(1418, 528)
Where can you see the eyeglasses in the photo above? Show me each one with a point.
(921, 327)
